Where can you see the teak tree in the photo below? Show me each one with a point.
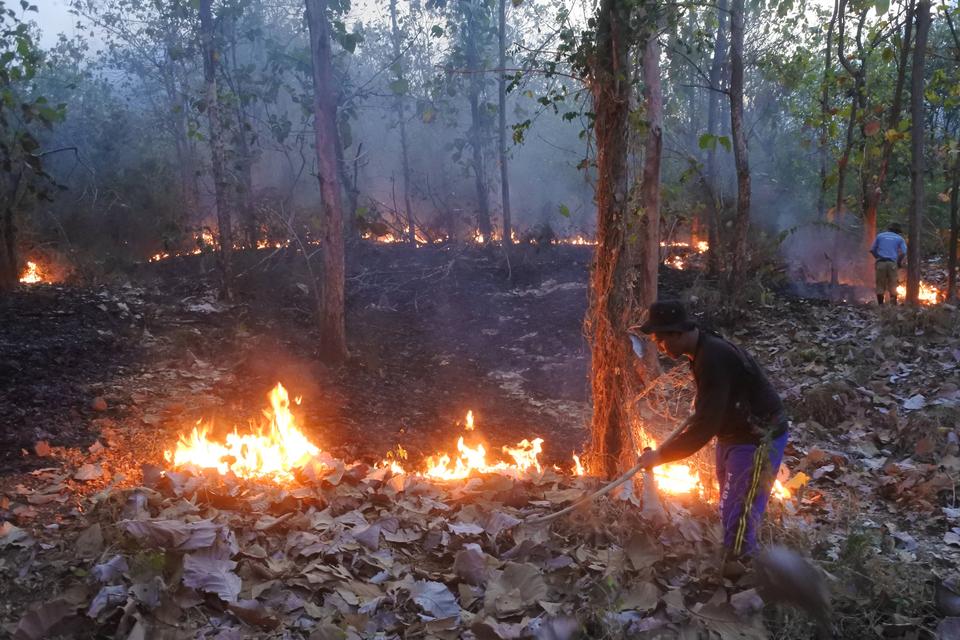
(623, 281)
(333, 340)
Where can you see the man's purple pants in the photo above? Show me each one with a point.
(746, 473)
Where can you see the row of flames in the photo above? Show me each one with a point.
(277, 450)
(677, 261)
(206, 242)
(477, 238)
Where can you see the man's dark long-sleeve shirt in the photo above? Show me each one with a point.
(735, 400)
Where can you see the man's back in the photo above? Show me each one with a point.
(888, 246)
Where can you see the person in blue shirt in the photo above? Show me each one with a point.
(889, 250)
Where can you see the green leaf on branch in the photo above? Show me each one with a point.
(399, 87)
(564, 211)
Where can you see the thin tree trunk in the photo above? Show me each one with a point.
(217, 154)
(402, 123)
(475, 86)
(859, 75)
(614, 303)
(502, 95)
(825, 115)
(874, 191)
(9, 256)
(740, 157)
(333, 341)
(713, 118)
(648, 260)
(916, 150)
(954, 224)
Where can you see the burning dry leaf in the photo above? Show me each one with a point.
(434, 598)
(174, 534)
(517, 587)
(88, 472)
(211, 571)
(42, 449)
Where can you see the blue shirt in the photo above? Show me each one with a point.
(888, 246)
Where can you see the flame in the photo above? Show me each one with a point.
(578, 469)
(928, 294)
(578, 240)
(32, 274)
(780, 492)
(274, 452)
(473, 459)
(703, 246)
(672, 478)
(676, 262)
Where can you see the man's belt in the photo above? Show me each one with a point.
(879, 260)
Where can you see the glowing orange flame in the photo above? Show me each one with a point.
(780, 492)
(578, 469)
(672, 478)
(703, 246)
(274, 452)
(928, 294)
(32, 274)
(676, 262)
(473, 459)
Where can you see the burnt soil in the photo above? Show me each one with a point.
(432, 333)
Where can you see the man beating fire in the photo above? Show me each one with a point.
(889, 250)
(737, 404)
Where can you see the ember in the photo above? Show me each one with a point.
(274, 452)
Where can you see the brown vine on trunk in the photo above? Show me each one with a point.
(621, 280)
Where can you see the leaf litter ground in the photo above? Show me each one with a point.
(95, 543)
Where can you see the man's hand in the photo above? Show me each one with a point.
(648, 459)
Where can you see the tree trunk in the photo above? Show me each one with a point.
(825, 116)
(740, 158)
(502, 94)
(217, 154)
(647, 259)
(874, 191)
(616, 289)
(954, 223)
(713, 119)
(402, 123)
(9, 256)
(916, 150)
(333, 341)
(475, 136)
(856, 101)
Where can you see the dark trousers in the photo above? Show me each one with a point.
(746, 473)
